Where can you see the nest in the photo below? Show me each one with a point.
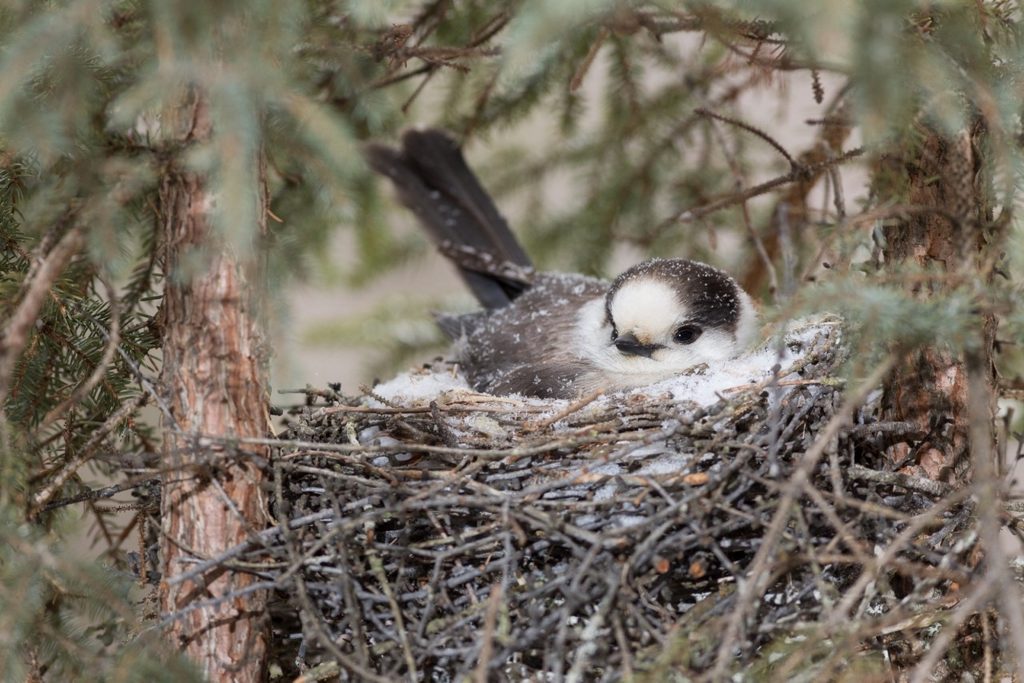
(506, 539)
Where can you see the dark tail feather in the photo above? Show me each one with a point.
(434, 181)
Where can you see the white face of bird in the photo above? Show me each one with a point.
(663, 317)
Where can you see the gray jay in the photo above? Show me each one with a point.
(554, 335)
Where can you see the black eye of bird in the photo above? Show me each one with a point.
(615, 332)
(687, 334)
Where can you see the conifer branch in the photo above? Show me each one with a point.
(86, 452)
(16, 333)
(794, 166)
(109, 350)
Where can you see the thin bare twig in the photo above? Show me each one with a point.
(86, 452)
(690, 215)
(739, 181)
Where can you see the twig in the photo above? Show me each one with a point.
(377, 568)
(755, 583)
(739, 181)
(99, 494)
(794, 166)
(547, 446)
(87, 450)
(920, 484)
(573, 407)
(487, 637)
(239, 548)
(690, 215)
(987, 485)
(588, 60)
(980, 591)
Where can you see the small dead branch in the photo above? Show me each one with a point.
(87, 451)
(696, 213)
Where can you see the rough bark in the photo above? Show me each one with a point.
(941, 232)
(215, 384)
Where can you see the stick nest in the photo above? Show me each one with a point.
(605, 538)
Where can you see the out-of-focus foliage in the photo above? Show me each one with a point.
(399, 321)
(66, 617)
(609, 90)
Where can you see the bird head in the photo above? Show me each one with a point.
(666, 315)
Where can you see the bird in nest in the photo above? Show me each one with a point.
(559, 335)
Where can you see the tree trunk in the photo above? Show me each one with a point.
(214, 379)
(940, 233)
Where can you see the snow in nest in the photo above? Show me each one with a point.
(702, 386)
(707, 386)
(422, 385)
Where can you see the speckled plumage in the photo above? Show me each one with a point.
(522, 348)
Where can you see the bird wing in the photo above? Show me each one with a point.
(532, 346)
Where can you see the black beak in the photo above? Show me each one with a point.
(628, 343)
